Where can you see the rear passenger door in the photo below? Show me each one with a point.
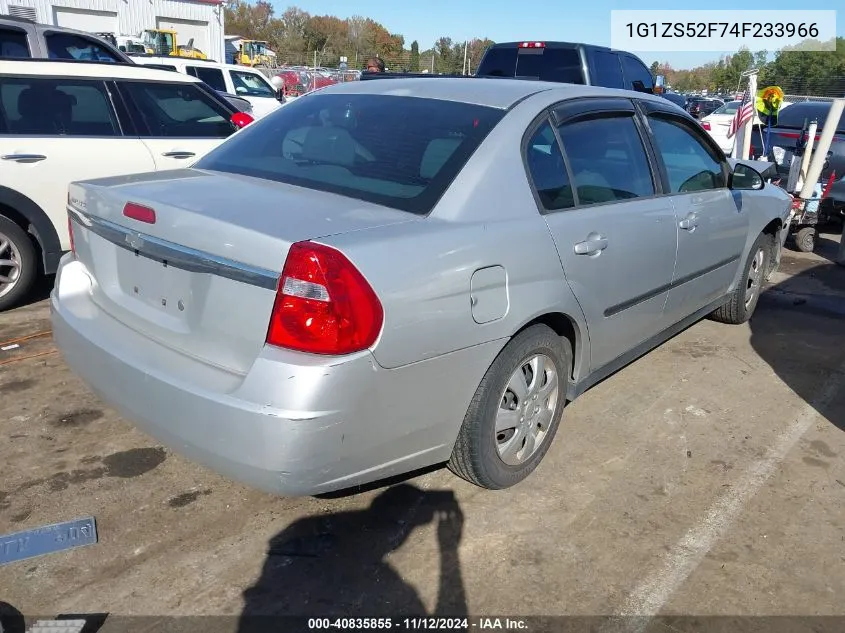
(178, 122)
(712, 225)
(57, 130)
(615, 237)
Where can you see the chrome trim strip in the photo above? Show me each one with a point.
(171, 254)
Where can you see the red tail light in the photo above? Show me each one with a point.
(323, 304)
(533, 45)
(705, 125)
(139, 212)
(241, 119)
(70, 233)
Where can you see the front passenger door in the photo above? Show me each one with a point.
(712, 226)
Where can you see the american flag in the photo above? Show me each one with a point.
(743, 114)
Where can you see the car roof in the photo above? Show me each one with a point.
(500, 93)
(172, 60)
(104, 70)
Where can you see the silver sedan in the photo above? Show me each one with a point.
(389, 275)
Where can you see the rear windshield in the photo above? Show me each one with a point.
(546, 64)
(400, 152)
(792, 116)
(729, 108)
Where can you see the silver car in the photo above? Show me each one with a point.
(389, 275)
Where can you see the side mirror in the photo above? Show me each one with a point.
(659, 84)
(746, 178)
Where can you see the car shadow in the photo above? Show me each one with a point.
(798, 329)
(336, 565)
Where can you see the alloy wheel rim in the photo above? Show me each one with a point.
(755, 277)
(526, 410)
(10, 265)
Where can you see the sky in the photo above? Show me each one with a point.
(517, 20)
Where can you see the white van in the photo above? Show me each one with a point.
(242, 81)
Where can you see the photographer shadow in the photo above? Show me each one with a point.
(335, 565)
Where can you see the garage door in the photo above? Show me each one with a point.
(187, 29)
(85, 20)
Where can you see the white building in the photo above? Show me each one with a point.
(201, 20)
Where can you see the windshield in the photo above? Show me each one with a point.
(729, 108)
(400, 152)
(251, 84)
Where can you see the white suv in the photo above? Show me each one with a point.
(64, 121)
(243, 81)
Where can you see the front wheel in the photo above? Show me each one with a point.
(515, 412)
(18, 264)
(743, 300)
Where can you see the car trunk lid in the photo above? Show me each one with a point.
(201, 277)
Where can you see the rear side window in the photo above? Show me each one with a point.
(793, 116)
(250, 84)
(211, 76)
(608, 72)
(400, 152)
(637, 76)
(607, 158)
(13, 44)
(56, 107)
(548, 171)
(546, 64)
(177, 110)
(72, 46)
(690, 164)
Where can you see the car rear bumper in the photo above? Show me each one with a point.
(295, 424)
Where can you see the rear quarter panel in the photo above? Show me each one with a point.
(422, 270)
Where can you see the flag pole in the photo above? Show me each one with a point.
(749, 125)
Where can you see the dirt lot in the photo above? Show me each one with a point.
(704, 479)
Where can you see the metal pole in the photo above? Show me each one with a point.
(825, 140)
(749, 126)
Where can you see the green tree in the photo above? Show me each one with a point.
(655, 67)
(414, 64)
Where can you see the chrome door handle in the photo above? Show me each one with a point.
(24, 158)
(689, 223)
(178, 154)
(592, 245)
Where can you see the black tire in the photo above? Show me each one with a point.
(736, 311)
(805, 239)
(22, 244)
(475, 456)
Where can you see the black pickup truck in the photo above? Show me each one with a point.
(564, 62)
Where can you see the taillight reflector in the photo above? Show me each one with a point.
(241, 119)
(323, 305)
(705, 125)
(139, 212)
(533, 45)
(70, 233)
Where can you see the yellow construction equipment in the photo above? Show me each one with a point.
(163, 42)
(253, 53)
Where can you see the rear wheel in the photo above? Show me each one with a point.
(743, 300)
(805, 239)
(18, 263)
(515, 412)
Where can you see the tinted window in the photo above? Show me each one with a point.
(793, 116)
(251, 84)
(178, 110)
(729, 108)
(547, 169)
(211, 76)
(13, 43)
(70, 46)
(678, 100)
(607, 70)
(607, 159)
(56, 107)
(545, 64)
(401, 152)
(690, 164)
(637, 76)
